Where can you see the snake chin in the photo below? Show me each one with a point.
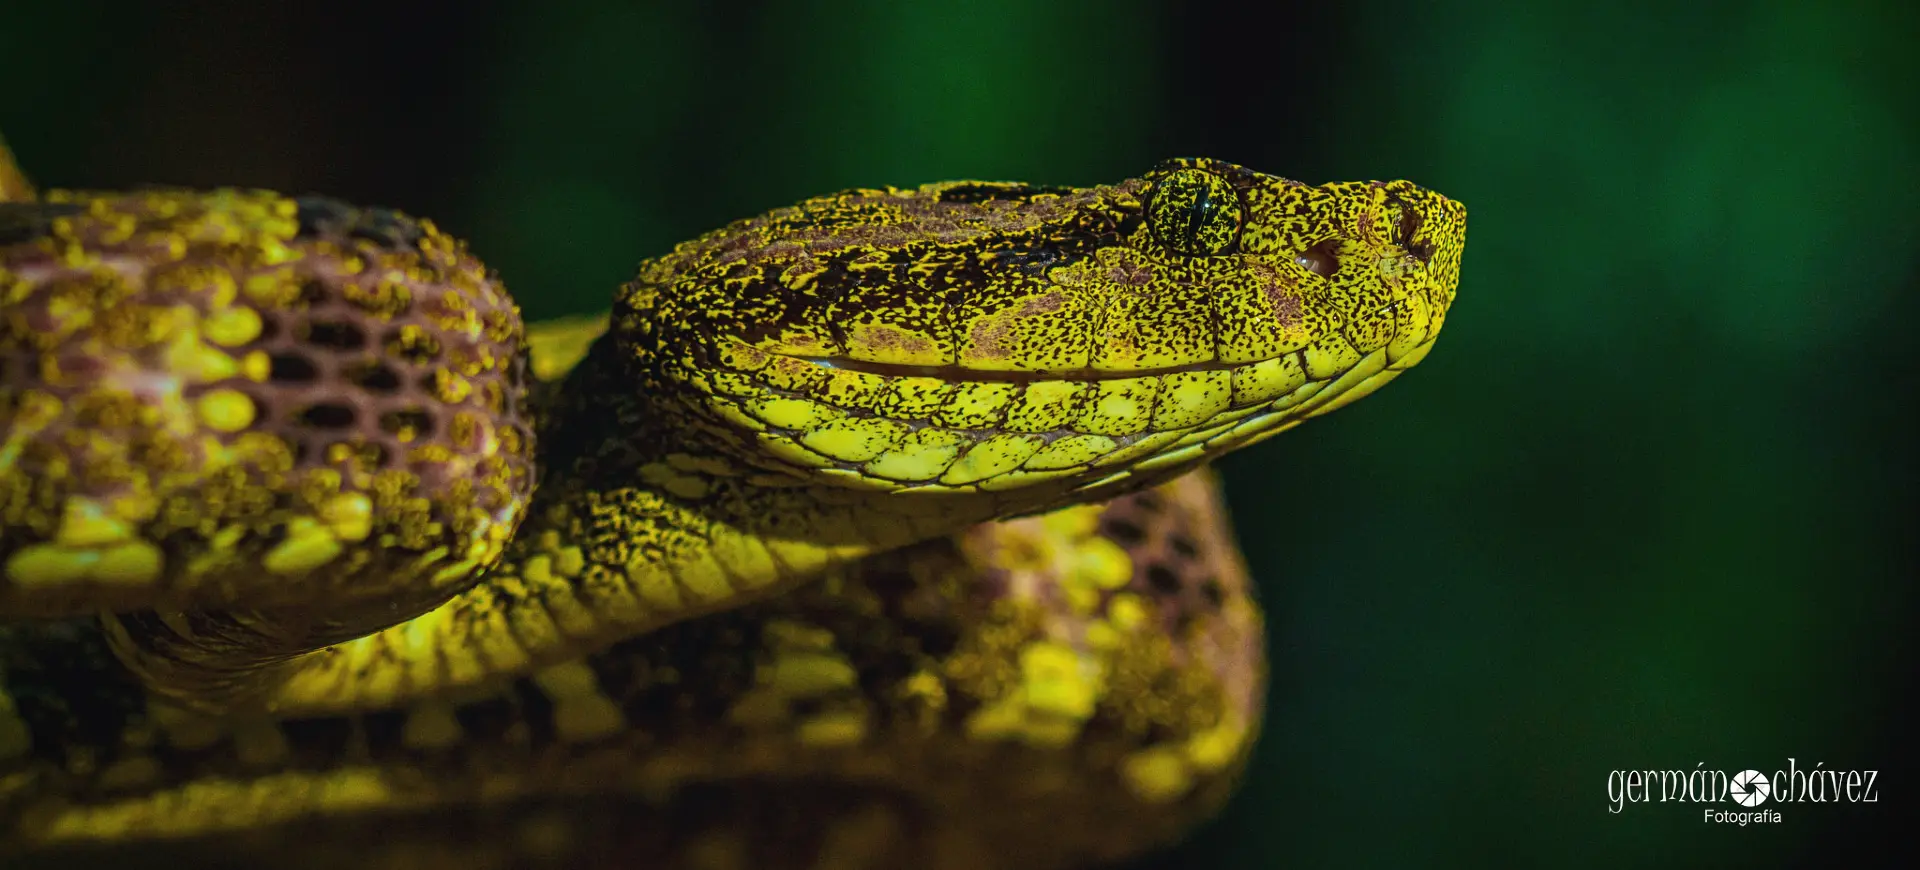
(1074, 431)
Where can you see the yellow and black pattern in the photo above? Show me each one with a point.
(235, 399)
(903, 340)
(768, 556)
(208, 397)
(1096, 665)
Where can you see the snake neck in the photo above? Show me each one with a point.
(643, 518)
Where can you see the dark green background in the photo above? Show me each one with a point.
(1644, 507)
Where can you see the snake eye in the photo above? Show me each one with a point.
(1195, 213)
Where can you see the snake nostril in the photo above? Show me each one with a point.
(1405, 228)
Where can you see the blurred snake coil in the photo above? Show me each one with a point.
(870, 532)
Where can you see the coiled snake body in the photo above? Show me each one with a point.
(864, 536)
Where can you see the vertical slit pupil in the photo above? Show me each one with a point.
(1197, 216)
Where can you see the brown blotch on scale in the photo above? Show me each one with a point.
(1283, 293)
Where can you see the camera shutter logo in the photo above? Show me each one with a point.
(1750, 788)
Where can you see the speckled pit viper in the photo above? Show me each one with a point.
(869, 532)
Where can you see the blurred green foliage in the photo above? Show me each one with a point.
(1643, 507)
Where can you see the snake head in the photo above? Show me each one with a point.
(990, 336)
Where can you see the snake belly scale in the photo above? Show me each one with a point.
(865, 532)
